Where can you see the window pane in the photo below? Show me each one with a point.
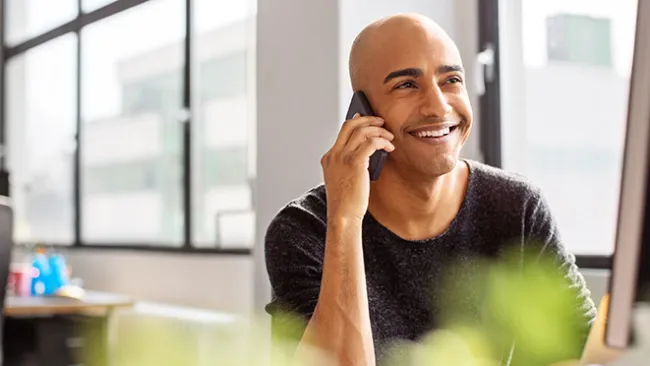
(90, 5)
(131, 135)
(29, 18)
(41, 103)
(565, 111)
(223, 136)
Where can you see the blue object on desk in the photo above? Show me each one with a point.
(49, 272)
(41, 273)
(59, 272)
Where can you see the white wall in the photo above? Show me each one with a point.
(302, 94)
(203, 281)
(297, 106)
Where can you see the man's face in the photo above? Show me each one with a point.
(417, 84)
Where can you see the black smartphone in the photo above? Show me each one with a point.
(361, 105)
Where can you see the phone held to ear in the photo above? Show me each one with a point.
(360, 104)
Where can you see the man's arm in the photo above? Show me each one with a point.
(332, 313)
(341, 320)
(340, 323)
(542, 229)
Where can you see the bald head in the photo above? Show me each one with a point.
(412, 74)
(395, 33)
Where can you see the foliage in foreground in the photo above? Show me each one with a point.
(529, 303)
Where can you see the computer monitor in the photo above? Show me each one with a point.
(630, 278)
(6, 246)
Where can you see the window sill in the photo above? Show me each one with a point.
(145, 247)
(594, 261)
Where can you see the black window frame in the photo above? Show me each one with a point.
(490, 110)
(75, 26)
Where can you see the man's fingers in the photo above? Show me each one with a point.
(361, 134)
(371, 145)
(351, 125)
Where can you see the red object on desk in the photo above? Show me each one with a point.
(19, 282)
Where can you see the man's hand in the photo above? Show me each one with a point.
(345, 166)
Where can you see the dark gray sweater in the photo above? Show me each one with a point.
(405, 277)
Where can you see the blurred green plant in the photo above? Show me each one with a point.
(515, 298)
(519, 299)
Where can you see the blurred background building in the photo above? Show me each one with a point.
(132, 133)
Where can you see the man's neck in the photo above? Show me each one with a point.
(415, 208)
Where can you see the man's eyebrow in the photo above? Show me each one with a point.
(449, 68)
(411, 71)
(416, 72)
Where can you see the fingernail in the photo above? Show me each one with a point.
(356, 115)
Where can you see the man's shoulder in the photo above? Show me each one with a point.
(306, 213)
(313, 202)
(493, 182)
(489, 174)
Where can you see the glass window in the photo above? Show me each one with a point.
(28, 18)
(40, 98)
(131, 176)
(223, 135)
(566, 68)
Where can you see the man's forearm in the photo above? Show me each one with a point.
(340, 324)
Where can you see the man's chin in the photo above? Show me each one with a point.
(420, 166)
(437, 167)
(444, 165)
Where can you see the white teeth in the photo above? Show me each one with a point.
(435, 133)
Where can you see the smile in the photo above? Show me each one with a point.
(435, 134)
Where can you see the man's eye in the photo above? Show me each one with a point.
(454, 80)
(406, 84)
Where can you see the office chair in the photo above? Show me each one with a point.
(6, 246)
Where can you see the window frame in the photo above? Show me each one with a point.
(490, 109)
(75, 26)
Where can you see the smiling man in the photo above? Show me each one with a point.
(363, 263)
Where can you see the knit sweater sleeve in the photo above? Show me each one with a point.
(541, 228)
(294, 250)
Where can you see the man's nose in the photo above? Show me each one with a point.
(434, 103)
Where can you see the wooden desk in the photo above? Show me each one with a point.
(92, 302)
(58, 331)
